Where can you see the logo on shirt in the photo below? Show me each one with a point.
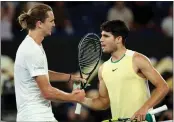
(36, 68)
(114, 69)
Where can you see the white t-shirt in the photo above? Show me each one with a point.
(31, 61)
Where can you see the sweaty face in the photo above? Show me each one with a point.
(108, 42)
(49, 24)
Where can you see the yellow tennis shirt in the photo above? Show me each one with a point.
(127, 91)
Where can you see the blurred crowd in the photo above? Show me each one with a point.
(80, 17)
(73, 20)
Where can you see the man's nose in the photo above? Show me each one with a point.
(101, 40)
(54, 25)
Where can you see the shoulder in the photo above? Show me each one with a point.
(140, 60)
(140, 57)
(101, 67)
(129, 52)
(104, 64)
(29, 48)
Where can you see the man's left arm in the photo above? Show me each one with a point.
(161, 87)
(58, 76)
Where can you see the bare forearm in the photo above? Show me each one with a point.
(54, 94)
(156, 97)
(95, 103)
(57, 76)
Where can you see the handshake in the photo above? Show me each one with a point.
(78, 94)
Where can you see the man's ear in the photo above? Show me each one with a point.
(38, 24)
(118, 39)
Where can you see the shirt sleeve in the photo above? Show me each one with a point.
(35, 63)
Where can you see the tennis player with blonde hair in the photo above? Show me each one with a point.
(33, 90)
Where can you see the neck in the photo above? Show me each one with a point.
(116, 55)
(37, 36)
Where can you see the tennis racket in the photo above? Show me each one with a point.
(89, 55)
(148, 115)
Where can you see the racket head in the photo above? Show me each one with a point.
(89, 54)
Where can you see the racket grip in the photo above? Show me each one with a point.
(149, 117)
(78, 108)
(76, 86)
(159, 109)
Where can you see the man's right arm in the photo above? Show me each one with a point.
(37, 69)
(54, 94)
(102, 102)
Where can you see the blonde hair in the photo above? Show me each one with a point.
(37, 13)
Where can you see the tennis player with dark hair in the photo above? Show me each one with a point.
(123, 78)
(32, 78)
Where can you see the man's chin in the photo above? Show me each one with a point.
(48, 34)
(105, 51)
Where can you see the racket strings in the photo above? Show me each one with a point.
(89, 63)
(92, 38)
(89, 58)
(90, 46)
(89, 54)
(90, 43)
